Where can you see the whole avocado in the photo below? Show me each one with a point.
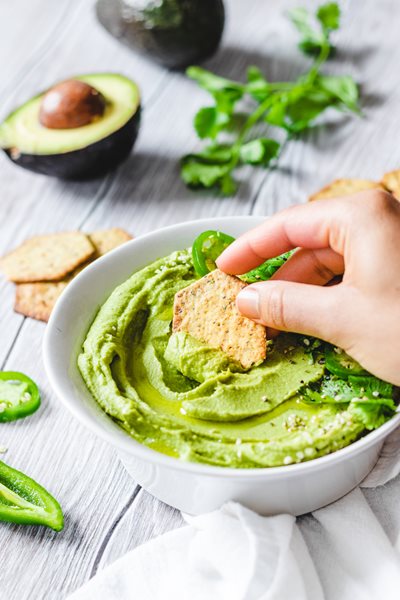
(175, 33)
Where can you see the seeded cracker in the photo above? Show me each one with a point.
(206, 310)
(37, 300)
(47, 257)
(105, 240)
(391, 181)
(345, 187)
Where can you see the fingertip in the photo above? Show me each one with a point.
(238, 258)
(221, 262)
(248, 302)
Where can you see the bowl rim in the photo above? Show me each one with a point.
(127, 444)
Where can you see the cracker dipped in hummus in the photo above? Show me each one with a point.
(194, 394)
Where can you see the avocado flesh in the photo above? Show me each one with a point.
(22, 133)
(174, 33)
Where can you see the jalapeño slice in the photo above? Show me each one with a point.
(19, 396)
(206, 249)
(341, 364)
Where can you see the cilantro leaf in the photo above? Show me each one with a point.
(204, 121)
(330, 390)
(197, 171)
(371, 387)
(301, 112)
(277, 113)
(257, 86)
(259, 151)
(373, 414)
(255, 74)
(215, 85)
(209, 121)
(267, 269)
(219, 153)
(312, 41)
(354, 388)
(227, 185)
(329, 16)
(343, 88)
(210, 168)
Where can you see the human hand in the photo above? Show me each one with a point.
(357, 236)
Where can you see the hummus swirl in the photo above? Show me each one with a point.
(180, 397)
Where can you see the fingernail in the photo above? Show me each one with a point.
(248, 303)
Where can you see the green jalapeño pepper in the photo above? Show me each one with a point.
(341, 364)
(206, 249)
(19, 396)
(210, 244)
(22, 500)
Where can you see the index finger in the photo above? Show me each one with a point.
(322, 224)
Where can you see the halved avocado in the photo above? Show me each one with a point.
(175, 33)
(77, 152)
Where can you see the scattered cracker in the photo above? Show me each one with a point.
(105, 240)
(206, 310)
(37, 300)
(47, 257)
(345, 187)
(391, 181)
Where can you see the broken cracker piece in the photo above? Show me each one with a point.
(207, 311)
(391, 182)
(105, 240)
(47, 257)
(345, 187)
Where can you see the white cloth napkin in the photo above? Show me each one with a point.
(340, 552)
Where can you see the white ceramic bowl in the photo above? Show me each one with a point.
(191, 487)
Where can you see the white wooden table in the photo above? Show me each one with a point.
(42, 41)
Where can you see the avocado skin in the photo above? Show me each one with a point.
(176, 33)
(86, 163)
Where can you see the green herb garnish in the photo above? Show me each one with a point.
(290, 106)
(368, 398)
(315, 36)
(210, 244)
(267, 269)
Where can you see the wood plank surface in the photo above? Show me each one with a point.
(106, 513)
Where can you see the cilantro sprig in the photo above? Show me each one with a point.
(316, 35)
(291, 106)
(368, 399)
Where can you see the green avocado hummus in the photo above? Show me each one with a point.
(180, 397)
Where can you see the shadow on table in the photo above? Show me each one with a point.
(370, 99)
(357, 55)
(147, 176)
(233, 62)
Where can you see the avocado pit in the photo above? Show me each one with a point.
(71, 104)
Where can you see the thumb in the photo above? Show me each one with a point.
(317, 311)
